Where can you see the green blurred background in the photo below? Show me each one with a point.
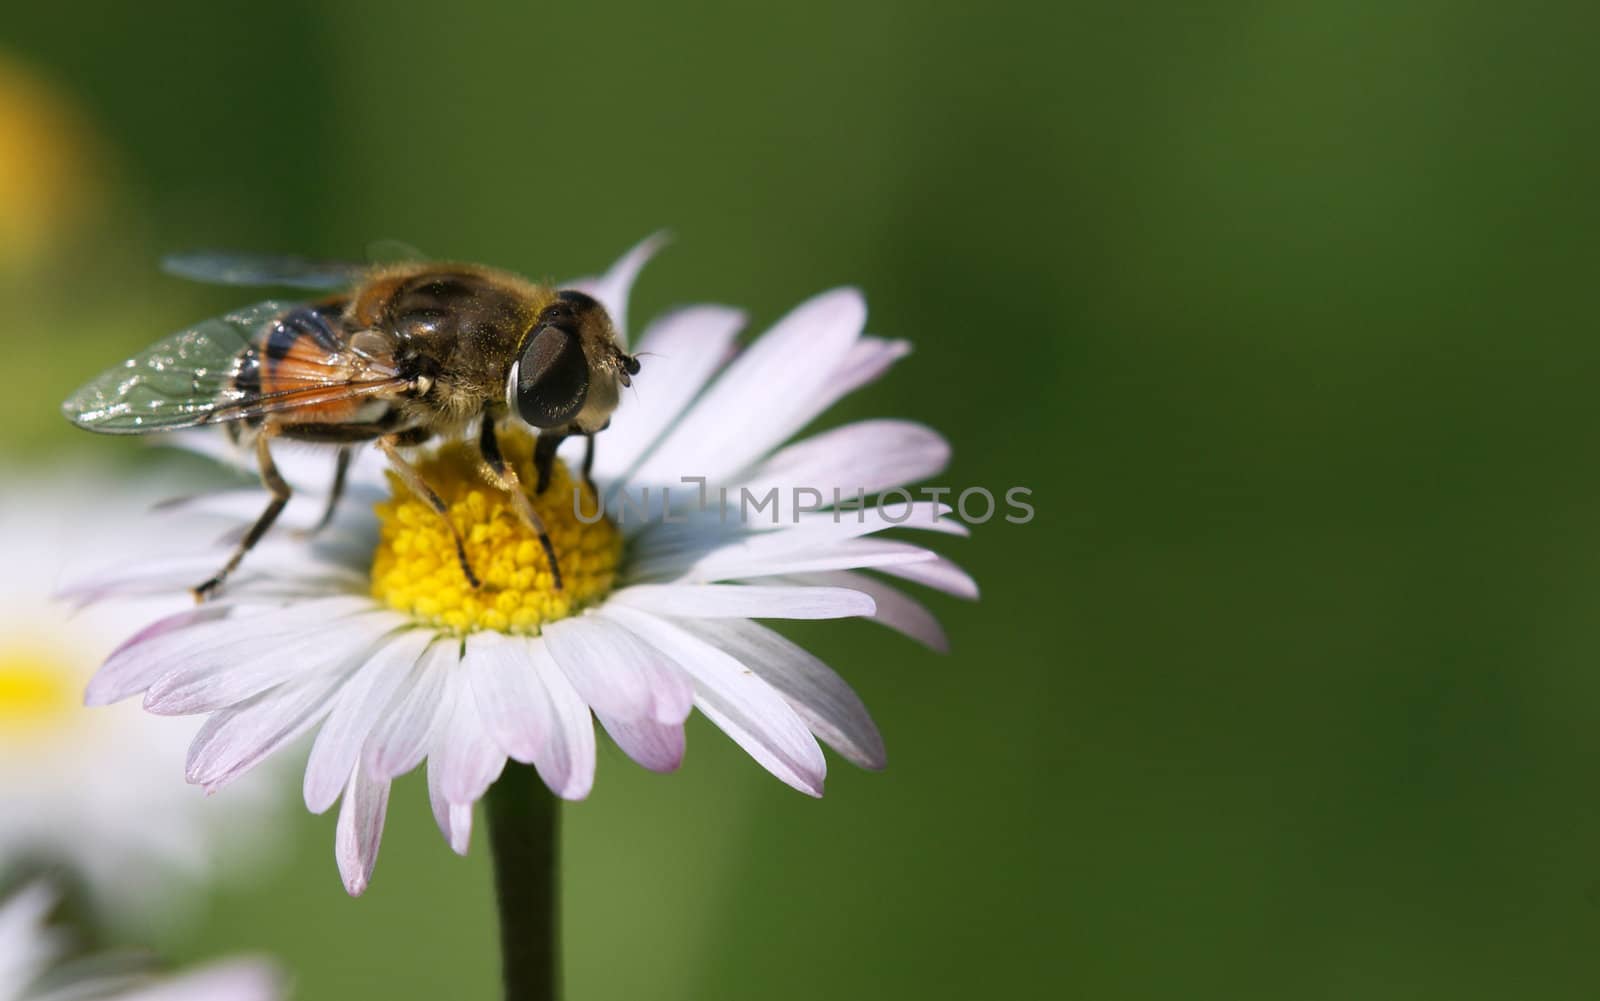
(1284, 311)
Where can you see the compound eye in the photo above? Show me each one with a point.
(552, 378)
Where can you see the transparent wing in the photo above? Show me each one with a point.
(228, 268)
(177, 382)
(394, 252)
(212, 373)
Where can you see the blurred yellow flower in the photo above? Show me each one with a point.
(33, 690)
(50, 168)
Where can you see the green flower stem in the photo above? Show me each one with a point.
(522, 836)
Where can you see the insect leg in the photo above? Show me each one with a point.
(544, 457)
(340, 468)
(280, 498)
(419, 486)
(506, 474)
(588, 463)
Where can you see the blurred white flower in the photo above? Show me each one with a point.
(376, 638)
(30, 967)
(93, 791)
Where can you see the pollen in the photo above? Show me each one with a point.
(416, 570)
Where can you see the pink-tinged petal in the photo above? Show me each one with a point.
(360, 830)
(360, 702)
(656, 746)
(613, 288)
(896, 610)
(744, 601)
(940, 574)
(829, 707)
(678, 354)
(775, 384)
(616, 674)
(135, 667)
(566, 762)
(235, 740)
(703, 548)
(867, 456)
(274, 572)
(454, 819)
(131, 675)
(405, 727)
(143, 579)
(515, 709)
(233, 980)
(464, 754)
(206, 644)
(754, 560)
(739, 702)
(168, 624)
(207, 686)
(868, 359)
(925, 516)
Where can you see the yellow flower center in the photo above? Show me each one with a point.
(416, 570)
(34, 691)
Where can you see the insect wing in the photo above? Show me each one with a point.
(177, 382)
(382, 252)
(261, 270)
(213, 373)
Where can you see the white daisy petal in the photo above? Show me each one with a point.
(616, 674)
(867, 456)
(204, 685)
(566, 763)
(285, 572)
(464, 753)
(26, 947)
(895, 609)
(680, 351)
(744, 601)
(740, 562)
(739, 702)
(829, 706)
(132, 675)
(235, 740)
(513, 704)
(360, 830)
(400, 740)
(775, 386)
(926, 516)
(940, 573)
(141, 579)
(613, 288)
(363, 698)
(656, 746)
(705, 549)
(135, 666)
(868, 359)
(454, 819)
(32, 942)
(235, 980)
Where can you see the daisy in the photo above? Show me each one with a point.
(30, 951)
(92, 792)
(373, 638)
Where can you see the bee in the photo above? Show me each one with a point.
(398, 355)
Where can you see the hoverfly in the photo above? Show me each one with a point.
(399, 355)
